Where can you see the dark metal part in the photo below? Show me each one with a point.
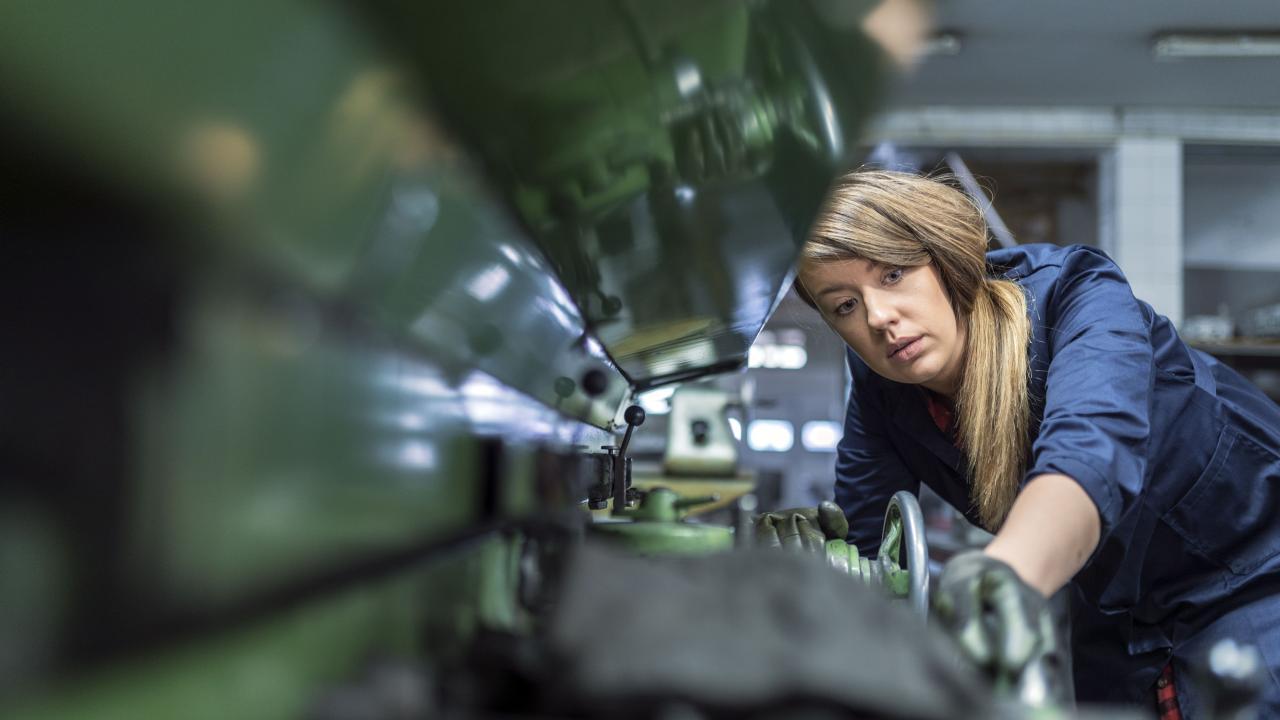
(489, 452)
(634, 417)
(562, 477)
(701, 431)
(594, 382)
(602, 487)
(975, 191)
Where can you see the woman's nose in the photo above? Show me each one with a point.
(880, 314)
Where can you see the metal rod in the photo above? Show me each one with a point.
(620, 472)
(634, 416)
(970, 184)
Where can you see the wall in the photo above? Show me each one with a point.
(1232, 228)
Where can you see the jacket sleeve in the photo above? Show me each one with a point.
(1100, 381)
(868, 468)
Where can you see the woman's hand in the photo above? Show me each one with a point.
(993, 602)
(999, 621)
(802, 528)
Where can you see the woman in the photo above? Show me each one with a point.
(1033, 392)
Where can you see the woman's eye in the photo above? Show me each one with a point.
(893, 275)
(845, 307)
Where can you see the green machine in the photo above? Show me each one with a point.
(901, 567)
(655, 527)
(318, 316)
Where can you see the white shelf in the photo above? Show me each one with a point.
(1241, 348)
(1230, 265)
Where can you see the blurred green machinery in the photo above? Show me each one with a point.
(317, 314)
(900, 567)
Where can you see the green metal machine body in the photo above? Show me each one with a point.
(314, 308)
(667, 156)
(655, 527)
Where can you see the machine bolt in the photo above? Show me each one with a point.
(594, 382)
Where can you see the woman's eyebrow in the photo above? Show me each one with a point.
(834, 288)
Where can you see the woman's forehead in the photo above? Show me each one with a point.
(818, 277)
(837, 267)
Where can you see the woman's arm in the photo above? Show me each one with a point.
(1051, 530)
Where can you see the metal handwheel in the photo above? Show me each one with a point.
(903, 551)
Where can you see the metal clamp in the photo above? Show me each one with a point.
(902, 545)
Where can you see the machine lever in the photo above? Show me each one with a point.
(634, 417)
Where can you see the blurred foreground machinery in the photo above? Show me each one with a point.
(318, 316)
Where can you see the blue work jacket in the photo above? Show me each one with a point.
(1180, 454)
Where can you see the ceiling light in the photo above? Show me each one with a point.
(821, 435)
(942, 43)
(1168, 46)
(770, 435)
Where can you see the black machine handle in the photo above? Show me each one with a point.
(634, 417)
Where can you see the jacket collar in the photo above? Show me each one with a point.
(910, 412)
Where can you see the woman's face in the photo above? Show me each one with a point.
(897, 319)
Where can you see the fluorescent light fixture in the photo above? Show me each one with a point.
(1169, 46)
(777, 357)
(783, 350)
(820, 435)
(942, 43)
(770, 435)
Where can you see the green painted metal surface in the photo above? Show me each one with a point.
(367, 321)
(290, 145)
(661, 538)
(354, 306)
(350, 321)
(667, 156)
(655, 527)
(282, 666)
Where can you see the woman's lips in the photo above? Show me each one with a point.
(908, 350)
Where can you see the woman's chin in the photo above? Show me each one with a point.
(918, 374)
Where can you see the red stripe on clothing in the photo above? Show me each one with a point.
(943, 414)
(1167, 696)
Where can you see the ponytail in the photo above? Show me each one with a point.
(992, 407)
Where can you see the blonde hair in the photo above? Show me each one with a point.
(908, 220)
